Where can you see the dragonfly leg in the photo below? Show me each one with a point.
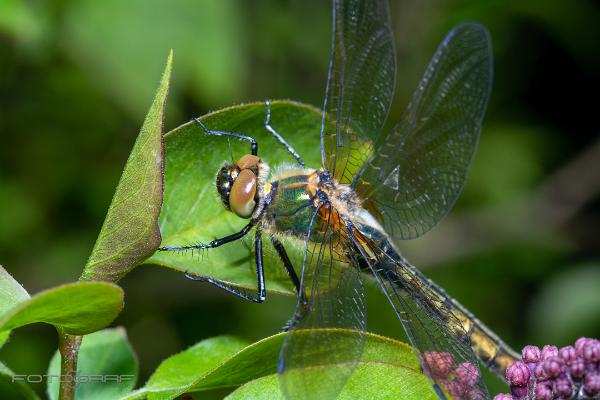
(260, 272)
(253, 143)
(278, 136)
(262, 294)
(287, 263)
(214, 243)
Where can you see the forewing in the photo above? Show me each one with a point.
(360, 85)
(326, 337)
(417, 174)
(431, 323)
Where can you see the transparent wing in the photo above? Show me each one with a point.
(431, 322)
(360, 85)
(415, 177)
(326, 338)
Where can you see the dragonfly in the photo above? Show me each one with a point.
(372, 191)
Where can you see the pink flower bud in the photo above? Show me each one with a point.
(590, 351)
(549, 351)
(455, 389)
(553, 366)
(531, 354)
(519, 392)
(563, 387)
(568, 354)
(577, 369)
(517, 374)
(543, 391)
(439, 363)
(591, 384)
(467, 374)
(474, 394)
(579, 343)
(540, 373)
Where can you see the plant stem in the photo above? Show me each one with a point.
(68, 346)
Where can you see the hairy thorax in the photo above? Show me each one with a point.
(297, 199)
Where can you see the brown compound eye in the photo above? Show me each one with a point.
(248, 162)
(241, 197)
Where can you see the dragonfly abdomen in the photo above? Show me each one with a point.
(487, 346)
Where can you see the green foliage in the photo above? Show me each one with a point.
(387, 367)
(76, 308)
(19, 387)
(192, 212)
(104, 353)
(11, 292)
(201, 367)
(130, 232)
(370, 381)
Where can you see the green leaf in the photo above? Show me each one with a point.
(130, 232)
(4, 337)
(225, 362)
(20, 387)
(107, 367)
(76, 308)
(370, 380)
(192, 212)
(178, 372)
(11, 292)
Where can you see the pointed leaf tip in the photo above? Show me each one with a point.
(11, 292)
(130, 232)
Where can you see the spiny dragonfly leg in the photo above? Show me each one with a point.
(253, 143)
(278, 136)
(214, 243)
(287, 263)
(260, 276)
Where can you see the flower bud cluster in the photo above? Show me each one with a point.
(571, 372)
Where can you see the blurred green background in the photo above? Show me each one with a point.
(521, 249)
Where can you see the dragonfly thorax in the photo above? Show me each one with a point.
(296, 199)
(240, 185)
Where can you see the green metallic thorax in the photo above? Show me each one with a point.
(290, 208)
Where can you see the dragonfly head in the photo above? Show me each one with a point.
(237, 185)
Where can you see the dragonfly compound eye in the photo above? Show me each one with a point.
(242, 197)
(225, 178)
(249, 162)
